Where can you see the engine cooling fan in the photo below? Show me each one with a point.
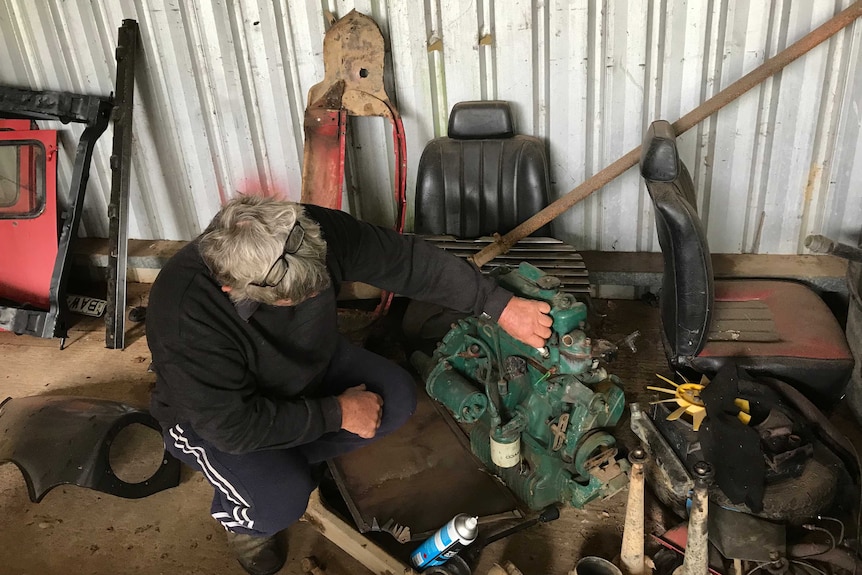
(687, 397)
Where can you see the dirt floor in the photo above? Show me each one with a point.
(77, 530)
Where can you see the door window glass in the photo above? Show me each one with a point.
(22, 182)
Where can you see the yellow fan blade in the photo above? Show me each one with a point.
(744, 418)
(697, 418)
(667, 380)
(661, 389)
(676, 414)
(742, 404)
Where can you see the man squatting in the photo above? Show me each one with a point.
(256, 388)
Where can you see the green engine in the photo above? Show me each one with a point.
(539, 415)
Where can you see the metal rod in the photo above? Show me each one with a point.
(632, 554)
(709, 107)
(121, 166)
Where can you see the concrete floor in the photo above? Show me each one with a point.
(76, 530)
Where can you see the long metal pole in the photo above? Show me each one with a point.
(121, 166)
(711, 106)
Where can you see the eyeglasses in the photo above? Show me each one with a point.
(279, 267)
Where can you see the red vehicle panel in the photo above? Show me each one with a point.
(28, 213)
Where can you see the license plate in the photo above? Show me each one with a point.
(83, 305)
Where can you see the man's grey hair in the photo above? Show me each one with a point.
(247, 236)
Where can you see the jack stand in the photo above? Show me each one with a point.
(632, 558)
(696, 560)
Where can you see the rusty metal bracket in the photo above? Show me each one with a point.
(353, 54)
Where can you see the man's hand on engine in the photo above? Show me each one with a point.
(527, 320)
(360, 411)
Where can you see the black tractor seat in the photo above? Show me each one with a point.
(781, 329)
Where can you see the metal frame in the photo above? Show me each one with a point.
(121, 166)
(94, 112)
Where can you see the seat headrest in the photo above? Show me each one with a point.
(481, 120)
(659, 156)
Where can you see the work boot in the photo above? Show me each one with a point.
(258, 555)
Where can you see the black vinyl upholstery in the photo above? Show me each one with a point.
(482, 178)
(776, 328)
(687, 295)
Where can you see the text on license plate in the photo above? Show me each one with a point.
(86, 305)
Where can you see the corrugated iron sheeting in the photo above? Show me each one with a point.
(222, 87)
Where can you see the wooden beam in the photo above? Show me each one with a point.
(351, 541)
(724, 265)
(147, 257)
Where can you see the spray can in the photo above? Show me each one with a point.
(446, 542)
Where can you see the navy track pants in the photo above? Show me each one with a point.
(263, 492)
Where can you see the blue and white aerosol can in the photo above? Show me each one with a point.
(446, 542)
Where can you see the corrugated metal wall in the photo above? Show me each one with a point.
(221, 90)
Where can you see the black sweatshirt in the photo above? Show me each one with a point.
(244, 377)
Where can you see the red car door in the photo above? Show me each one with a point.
(28, 213)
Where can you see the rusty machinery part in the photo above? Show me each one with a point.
(801, 476)
(353, 84)
(542, 416)
(353, 57)
(67, 440)
(711, 106)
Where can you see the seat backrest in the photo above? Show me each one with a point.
(687, 296)
(482, 178)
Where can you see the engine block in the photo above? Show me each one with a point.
(540, 417)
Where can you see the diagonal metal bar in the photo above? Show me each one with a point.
(703, 111)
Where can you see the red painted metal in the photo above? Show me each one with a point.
(400, 171)
(29, 244)
(325, 138)
(6, 124)
(353, 61)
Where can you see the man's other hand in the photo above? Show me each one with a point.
(360, 411)
(527, 320)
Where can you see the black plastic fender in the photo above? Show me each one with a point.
(66, 440)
